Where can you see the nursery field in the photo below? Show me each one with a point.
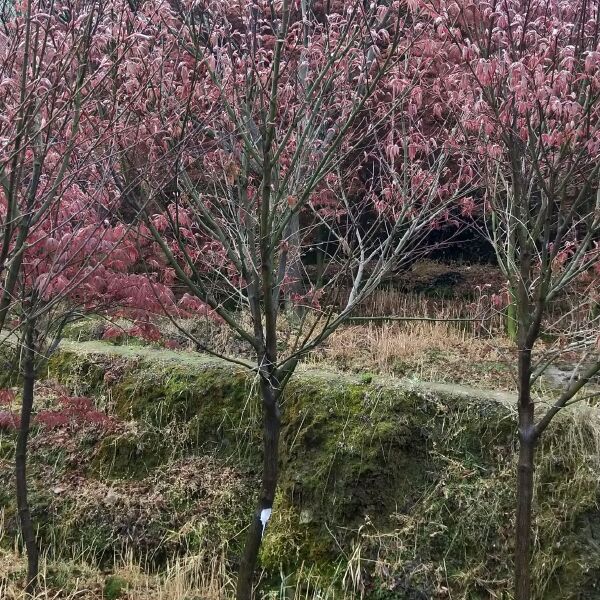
(299, 300)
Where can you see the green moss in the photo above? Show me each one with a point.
(164, 394)
(90, 328)
(358, 451)
(366, 378)
(114, 587)
(84, 374)
(129, 455)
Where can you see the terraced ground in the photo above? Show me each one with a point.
(391, 488)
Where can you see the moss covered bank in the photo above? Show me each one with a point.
(393, 489)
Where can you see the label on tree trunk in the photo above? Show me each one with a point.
(265, 515)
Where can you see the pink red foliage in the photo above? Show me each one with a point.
(9, 420)
(73, 411)
(521, 68)
(7, 396)
(470, 73)
(67, 168)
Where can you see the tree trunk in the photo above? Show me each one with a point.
(527, 443)
(523, 522)
(270, 475)
(27, 528)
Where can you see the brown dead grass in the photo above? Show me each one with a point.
(186, 579)
(426, 350)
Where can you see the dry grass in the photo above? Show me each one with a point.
(394, 302)
(440, 347)
(186, 579)
(457, 341)
(189, 578)
(426, 350)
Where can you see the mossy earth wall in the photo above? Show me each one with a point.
(394, 489)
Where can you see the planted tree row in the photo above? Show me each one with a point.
(179, 158)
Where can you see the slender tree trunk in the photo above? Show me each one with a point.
(270, 475)
(27, 528)
(523, 522)
(527, 443)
